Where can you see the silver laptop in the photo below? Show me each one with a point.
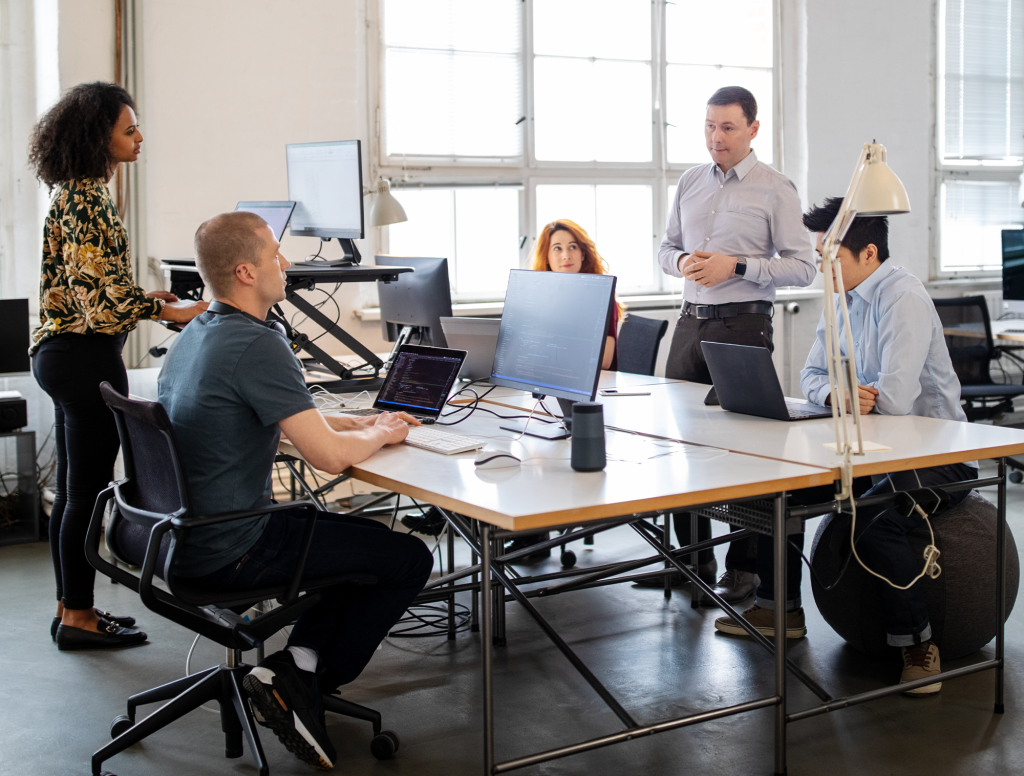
(478, 337)
(745, 381)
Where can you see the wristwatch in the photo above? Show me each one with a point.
(741, 267)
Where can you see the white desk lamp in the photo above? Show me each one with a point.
(386, 209)
(874, 191)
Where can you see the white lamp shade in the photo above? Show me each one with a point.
(386, 209)
(879, 192)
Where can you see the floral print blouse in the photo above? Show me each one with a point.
(87, 285)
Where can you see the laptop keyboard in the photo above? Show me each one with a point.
(796, 411)
(440, 441)
(362, 413)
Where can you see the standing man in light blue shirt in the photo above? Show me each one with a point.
(734, 235)
(903, 368)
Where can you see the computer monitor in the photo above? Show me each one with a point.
(277, 214)
(413, 305)
(326, 182)
(14, 336)
(552, 336)
(1013, 270)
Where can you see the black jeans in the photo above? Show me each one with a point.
(883, 547)
(686, 362)
(350, 621)
(70, 368)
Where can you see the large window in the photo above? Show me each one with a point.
(981, 130)
(497, 117)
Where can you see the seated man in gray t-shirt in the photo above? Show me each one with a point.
(231, 385)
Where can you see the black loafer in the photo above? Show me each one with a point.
(111, 636)
(125, 621)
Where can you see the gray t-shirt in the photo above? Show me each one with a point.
(225, 384)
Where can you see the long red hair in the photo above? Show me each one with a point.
(593, 263)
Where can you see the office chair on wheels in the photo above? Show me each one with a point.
(150, 520)
(968, 335)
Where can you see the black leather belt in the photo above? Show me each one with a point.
(704, 312)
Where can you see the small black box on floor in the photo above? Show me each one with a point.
(13, 411)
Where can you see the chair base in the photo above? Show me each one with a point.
(222, 684)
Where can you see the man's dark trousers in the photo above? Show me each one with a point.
(686, 362)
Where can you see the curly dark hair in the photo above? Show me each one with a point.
(72, 139)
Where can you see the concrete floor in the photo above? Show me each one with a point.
(659, 658)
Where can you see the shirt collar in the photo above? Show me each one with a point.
(867, 289)
(740, 169)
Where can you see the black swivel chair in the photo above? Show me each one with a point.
(639, 340)
(151, 518)
(968, 333)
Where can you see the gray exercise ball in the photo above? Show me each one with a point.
(961, 602)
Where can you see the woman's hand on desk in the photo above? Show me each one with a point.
(167, 296)
(182, 312)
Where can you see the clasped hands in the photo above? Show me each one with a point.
(867, 395)
(708, 269)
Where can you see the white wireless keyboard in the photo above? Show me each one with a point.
(440, 441)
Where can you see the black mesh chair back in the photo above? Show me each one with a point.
(968, 333)
(639, 340)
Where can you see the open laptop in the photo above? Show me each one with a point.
(478, 337)
(276, 213)
(745, 381)
(419, 383)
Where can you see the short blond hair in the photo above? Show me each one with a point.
(225, 241)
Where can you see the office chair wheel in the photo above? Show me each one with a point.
(568, 558)
(1016, 476)
(120, 724)
(384, 745)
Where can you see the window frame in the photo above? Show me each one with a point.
(964, 170)
(527, 171)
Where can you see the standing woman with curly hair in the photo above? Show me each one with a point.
(88, 302)
(564, 246)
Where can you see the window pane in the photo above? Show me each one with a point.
(983, 84)
(486, 240)
(688, 88)
(612, 29)
(428, 111)
(430, 230)
(974, 213)
(592, 111)
(453, 75)
(617, 218)
(747, 43)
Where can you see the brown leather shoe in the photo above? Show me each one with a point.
(733, 587)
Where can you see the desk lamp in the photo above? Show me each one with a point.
(386, 209)
(874, 191)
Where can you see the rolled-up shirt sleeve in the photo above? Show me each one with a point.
(794, 265)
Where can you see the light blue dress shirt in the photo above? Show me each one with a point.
(753, 212)
(899, 348)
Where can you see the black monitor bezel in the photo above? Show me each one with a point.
(1007, 291)
(327, 234)
(269, 205)
(536, 389)
(423, 350)
(419, 276)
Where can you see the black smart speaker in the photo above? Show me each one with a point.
(587, 437)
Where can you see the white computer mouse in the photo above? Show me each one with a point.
(496, 459)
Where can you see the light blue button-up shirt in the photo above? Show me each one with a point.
(899, 348)
(753, 212)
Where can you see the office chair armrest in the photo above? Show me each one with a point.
(226, 517)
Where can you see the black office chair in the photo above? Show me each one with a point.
(150, 520)
(968, 333)
(639, 340)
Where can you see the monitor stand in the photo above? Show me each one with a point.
(553, 431)
(404, 335)
(351, 258)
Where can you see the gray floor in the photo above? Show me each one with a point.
(660, 658)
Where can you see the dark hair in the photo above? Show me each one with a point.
(736, 95)
(864, 231)
(72, 139)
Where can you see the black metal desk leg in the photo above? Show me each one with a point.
(666, 539)
(1000, 582)
(497, 548)
(451, 567)
(474, 622)
(487, 622)
(781, 601)
(695, 592)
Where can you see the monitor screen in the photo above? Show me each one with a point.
(326, 182)
(1013, 265)
(553, 332)
(277, 214)
(420, 298)
(14, 336)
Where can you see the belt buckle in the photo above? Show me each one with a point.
(703, 312)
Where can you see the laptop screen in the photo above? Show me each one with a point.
(420, 379)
